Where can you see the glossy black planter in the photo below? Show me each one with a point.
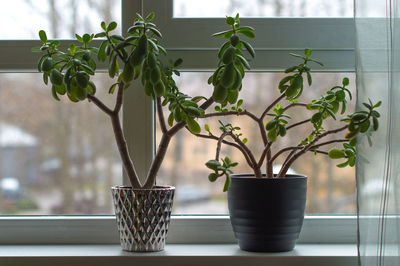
(267, 214)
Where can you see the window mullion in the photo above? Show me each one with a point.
(137, 109)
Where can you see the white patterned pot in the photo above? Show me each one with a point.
(143, 216)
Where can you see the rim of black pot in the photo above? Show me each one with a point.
(251, 176)
(158, 188)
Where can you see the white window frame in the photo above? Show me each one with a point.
(332, 41)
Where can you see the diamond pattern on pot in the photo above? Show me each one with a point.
(143, 217)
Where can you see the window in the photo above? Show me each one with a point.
(330, 38)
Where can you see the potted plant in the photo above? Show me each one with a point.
(267, 210)
(142, 209)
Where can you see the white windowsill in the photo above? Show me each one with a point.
(176, 254)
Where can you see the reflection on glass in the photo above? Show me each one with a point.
(55, 157)
(263, 8)
(331, 190)
(22, 19)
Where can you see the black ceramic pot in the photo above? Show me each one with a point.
(267, 213)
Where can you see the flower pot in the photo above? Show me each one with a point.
(267, 213)
(143, 216)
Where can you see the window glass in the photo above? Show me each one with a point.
(331, 190)
(55, 157)
(61, 19)
(263, 8)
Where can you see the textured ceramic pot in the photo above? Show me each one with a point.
(143, 216)
(267, 213)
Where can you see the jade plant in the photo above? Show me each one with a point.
(274, 122)
(139, 55)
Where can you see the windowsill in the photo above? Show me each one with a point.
(176, 254)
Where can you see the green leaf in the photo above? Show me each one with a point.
(243, 61)
(78, 37)
(307, 52)
(291, 69)
(353, 142)
(150, 16)
(230, 20)
(207, 127)
(378, 104)
(227, 182)
(282, 130)
(193, 126)
(102, 56)
(342, 165)
(332, 114)
(271, 124)
(212, 177)
(112, 26)
(88, 69)
(213, 164)
(309, 79)
(178, 62)
(54, 93)
(112, 88)
(352, 161)
(244, 140)
(375, 123)
(156, 32)
(45, 78)
(249, 48)
(171, 119)
(103, 25)
(316, 118)
(246, 32)
(272, 135)
(43, 36)
(336, 154)
(345, 81)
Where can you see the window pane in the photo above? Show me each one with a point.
(55, 157)
(22, 19)
(263, 8)
(331, 190)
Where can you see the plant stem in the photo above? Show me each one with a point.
(160, 115)
(290, 161)
(293, 105)
(298, 124)
(271, 106)
(245, 112)
(227, 143)
(253, 164)
(123, 151)
(312, 149)
(163, 146)
(99, 104)
(119, 134)
(219, 144)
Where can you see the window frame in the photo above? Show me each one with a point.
(198, 54)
